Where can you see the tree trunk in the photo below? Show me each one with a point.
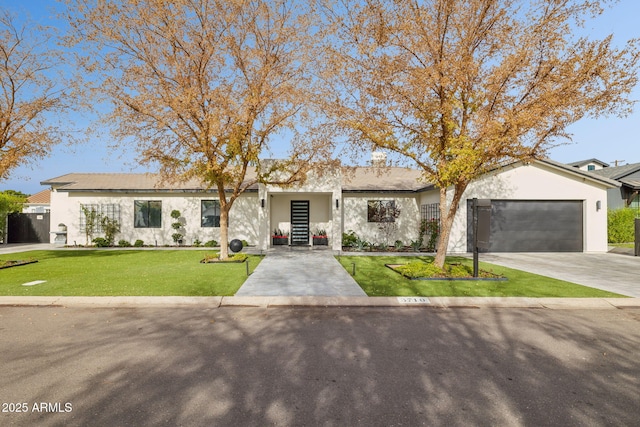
(447, 215)
(224, 230)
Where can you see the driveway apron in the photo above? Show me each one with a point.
(300, 272)
(607, 271)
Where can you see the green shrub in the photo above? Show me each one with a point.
(399, 245)
(245, 243)
(101, 242)
(124, 243)
(197, 243)
(211, 244)
(349, 239)
(138, 243)
(620, 225)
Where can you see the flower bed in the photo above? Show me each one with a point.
(418, 270)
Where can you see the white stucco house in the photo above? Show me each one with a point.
(541, 206)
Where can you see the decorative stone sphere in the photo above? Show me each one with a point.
(235, 245)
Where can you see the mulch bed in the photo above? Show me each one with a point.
(483, 276)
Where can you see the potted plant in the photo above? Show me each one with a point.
(320, 238)
(279, 237)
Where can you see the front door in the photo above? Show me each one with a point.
(299, 222)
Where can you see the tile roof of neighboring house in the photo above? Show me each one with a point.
(593, 175)
(364, 179)
(634, 184)
(617, 172)
(586, 162)
(41, 198)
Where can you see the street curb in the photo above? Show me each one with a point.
(323, 301)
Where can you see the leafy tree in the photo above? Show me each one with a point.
(461, 88)
(10, 202)
(30, 94)
(202, 86)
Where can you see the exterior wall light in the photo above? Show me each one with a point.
(262, 203)
(337, 203)
(598, 205)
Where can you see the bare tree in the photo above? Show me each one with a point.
(461, 88)
(31, 95)
(202, 86)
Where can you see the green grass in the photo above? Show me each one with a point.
(122, 272)
(378, 280)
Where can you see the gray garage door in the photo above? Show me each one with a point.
(533, 226)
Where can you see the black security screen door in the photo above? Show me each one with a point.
(299, 222)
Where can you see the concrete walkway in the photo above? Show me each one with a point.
(300, 272)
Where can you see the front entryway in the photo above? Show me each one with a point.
(299, 222)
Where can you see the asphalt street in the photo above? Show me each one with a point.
(318, 366)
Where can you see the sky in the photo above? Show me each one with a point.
(609, 139)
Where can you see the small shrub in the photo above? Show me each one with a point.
(349, 239)
(211, 244)
(197, 243)
(101, 242)
(124, 243)
(138, 243)
(399, 245)
(245, 243)
(415, 245)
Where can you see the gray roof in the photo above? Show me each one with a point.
(586, 162)
(617, 172)
(392, 179)
(354, 180)
(634, 184)
(126, 182)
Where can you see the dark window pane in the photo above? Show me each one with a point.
(147, 214)
(210, 213)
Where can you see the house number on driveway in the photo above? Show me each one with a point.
(413, 300)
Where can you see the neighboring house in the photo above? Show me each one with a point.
(38, 203)
(542, 206)
(589, 165)
(629, 178)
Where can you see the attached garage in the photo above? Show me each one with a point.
(541, 206)
(533, 226)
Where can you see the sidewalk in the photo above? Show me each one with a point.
(325, 302)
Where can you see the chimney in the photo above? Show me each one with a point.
(378, 159)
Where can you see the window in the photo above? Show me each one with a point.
(382, 211)
(591, 167)
(210, 210)
(147, 214)
(93, 212)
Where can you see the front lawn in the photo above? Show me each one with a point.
(378, 280)
(122, 272)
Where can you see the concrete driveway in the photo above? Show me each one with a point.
(611, 272)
